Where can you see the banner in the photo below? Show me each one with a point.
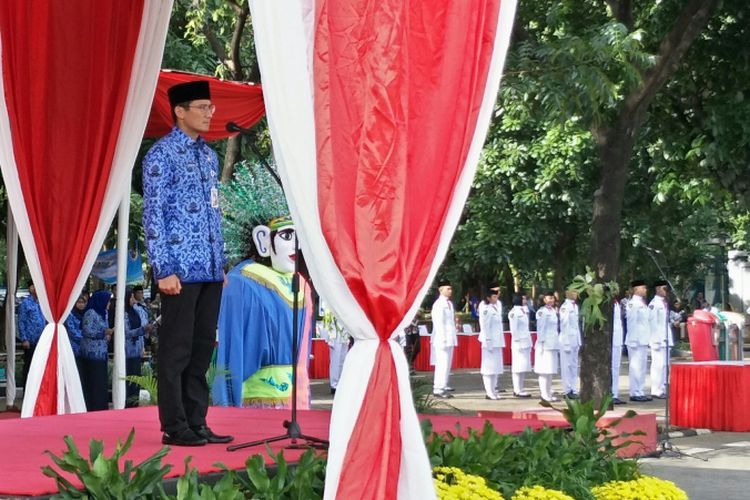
(105, 267)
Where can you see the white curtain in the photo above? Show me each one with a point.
(145, 72)
(10, 310)
(283, 36)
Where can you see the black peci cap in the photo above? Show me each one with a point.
(188, 91)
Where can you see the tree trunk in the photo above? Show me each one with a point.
(615, 151)
(231, 156)
(615, 148)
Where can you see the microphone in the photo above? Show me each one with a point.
(233, 127)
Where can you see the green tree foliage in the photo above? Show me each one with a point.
(637, 106)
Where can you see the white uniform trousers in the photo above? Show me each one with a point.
(616, 361)
(338, 351)
(569, 369)
(521, 363)
(659, 371)
(443, 360)
(637, 360)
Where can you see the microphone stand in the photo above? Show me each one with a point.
(664, 447)
(293, 429)
(246, 132)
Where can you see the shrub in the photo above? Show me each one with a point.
(101, 476)
(568, 460)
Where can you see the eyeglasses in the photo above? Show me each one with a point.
(206, 109)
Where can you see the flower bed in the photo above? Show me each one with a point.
(555, 464)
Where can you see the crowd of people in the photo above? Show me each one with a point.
(645, 328)
(90, 327)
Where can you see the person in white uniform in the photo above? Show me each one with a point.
(661, 339)
(491, 335)
(570, 344)
(638, 339)
(444, 339)
(337, 339)
(618, 339)
(547, 346)
(520, 347)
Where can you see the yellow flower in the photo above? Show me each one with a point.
(451, 483)
(539, 493)
(643, 488)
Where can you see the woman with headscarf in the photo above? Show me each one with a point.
(94, 356)
(136, 327)
(73, 325)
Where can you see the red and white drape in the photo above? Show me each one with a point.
(378, 112)
(78, 78)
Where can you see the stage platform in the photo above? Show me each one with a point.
(24, 441)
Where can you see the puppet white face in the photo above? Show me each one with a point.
(282, 252)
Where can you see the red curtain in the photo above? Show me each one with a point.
(237, 102)
(64, 128)
(398, 87)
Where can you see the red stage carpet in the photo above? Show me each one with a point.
(25, 440)
(711, 395)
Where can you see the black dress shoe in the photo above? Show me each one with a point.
(571, 395)
(442, 395)
(661, 396)
(647, 398)
(333, 391)
(618, 401)
(185, 437)
(637, 399)
(206, 433)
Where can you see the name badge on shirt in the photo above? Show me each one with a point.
(214, 197)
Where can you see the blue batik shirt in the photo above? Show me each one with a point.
(181, 215)
(73, 325)
(134, 337)
(31, 321)
(94, 340)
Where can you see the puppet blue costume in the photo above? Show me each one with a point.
(255, 342)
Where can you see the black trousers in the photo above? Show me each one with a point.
(186, 344)
(27, 355)
(95, 384)
(412, 347)
(132, 391)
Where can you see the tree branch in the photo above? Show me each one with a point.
(622, 10)
(625, 14)
(672, 49)
(239, 29)
(215, 43)
(236, 5)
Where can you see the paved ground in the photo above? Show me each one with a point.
(714, 465)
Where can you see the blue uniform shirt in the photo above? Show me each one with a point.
(181, 215)
(94, 341)
(31, 321)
